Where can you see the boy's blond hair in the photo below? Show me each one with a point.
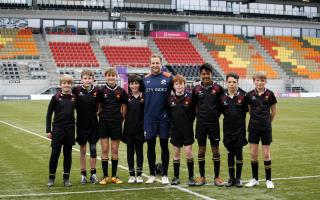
(260, 75)
(66, 78)
(111, 71)
(87, 72)
(179, 78)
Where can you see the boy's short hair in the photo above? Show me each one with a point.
(233, 75)
(110, 71)
(155, 56)
(66, 78)
(87, 72)
(206, 67)
(260, 75)
(179, 78)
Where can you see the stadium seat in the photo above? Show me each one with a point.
(127, 56)
(235, 54)
(178, 51)
(18, 44)
(298, 57)
(73, 54)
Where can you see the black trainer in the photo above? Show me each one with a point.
(238, 183)
(50, 182)
(175, 181)
(231, 182)
(191, 181)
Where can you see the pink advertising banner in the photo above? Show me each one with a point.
(169, 34)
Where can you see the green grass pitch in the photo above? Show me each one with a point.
(295, 161)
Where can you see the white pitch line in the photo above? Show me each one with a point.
(82, 192)
(120, 166)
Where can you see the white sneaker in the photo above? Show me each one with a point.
(139, 179)
(253, 182)
(132, 179)
(83, 180)
(165, 180)
(151, 179)
(269, 184)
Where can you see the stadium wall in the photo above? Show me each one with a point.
(123, 42)
(67, 38)
(23, 87)
(276, 85)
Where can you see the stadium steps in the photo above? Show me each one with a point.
(47, 59)
(155, 50)
(268, 58)
(24, 72)
(104, 63)
(203, 51)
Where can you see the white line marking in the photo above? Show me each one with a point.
(82, 192)
(296, 177)
(120, 166)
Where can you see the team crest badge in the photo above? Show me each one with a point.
(239, 101)
(267, 97)
(163, 82)
(225, 103)
(213, 91)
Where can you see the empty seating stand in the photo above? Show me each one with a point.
(72, 4)
(178, 51)
(298, 57)
(234, 54)
(9, 70)
(17, 44)
(37, 71)
(73, 54)
(15, 3)
(127, 56)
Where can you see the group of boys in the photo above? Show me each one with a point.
(169, 111)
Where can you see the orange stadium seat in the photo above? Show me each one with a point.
(18, 44)
(298, 57)
(234, 54)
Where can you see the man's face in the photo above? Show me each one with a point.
(155, 65)
(206, 77)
